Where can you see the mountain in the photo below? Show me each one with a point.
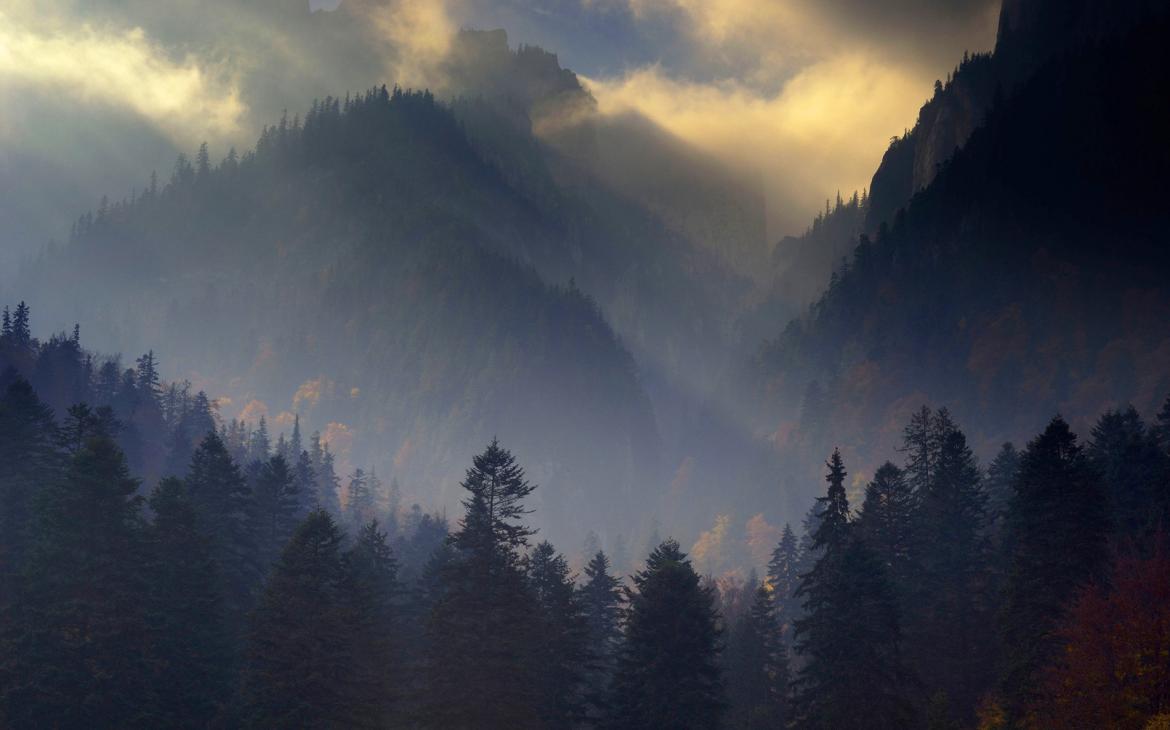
(368, 270)
(1027, 277)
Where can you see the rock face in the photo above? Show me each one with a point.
(1030, 32)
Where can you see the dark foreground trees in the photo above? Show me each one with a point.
(668, 675)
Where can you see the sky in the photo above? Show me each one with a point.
(802, 95)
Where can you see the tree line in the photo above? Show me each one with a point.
(239, 592)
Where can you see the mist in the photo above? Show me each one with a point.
(394, 363)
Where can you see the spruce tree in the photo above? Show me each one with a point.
(1133, 471)
(886, 523)
(757, 666)
(221, 500)
(29, 459)
(1001, 475)
(668, 672)
(1058, 525)
(359, 507)
(601, 605)
(784, 578)
(946, 628)
(274, 509)
(297, 658)
(849, 636)
(83, 644)
(189, 643)
(482, 627)
(561, 650)
(369, 599)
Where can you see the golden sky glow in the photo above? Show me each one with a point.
(186, 99)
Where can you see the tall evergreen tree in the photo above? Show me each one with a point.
(949, 611)
(221, 499)
(189, 651)
(784, 578)
(886, 523)
(83, 643)
(29, 459)
(757, 666)
(369, 600)
(359, 507)
(274, 509)
(297, 655)
(668, 672)
(482, 626)
(1133, 471)
(849, 637)
(1058, 524)
(1001, 475)
(601, 605)
(561, 650)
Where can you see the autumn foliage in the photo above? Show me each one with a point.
(1114, 671)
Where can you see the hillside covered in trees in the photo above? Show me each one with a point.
(1027, 277)
(249, 586)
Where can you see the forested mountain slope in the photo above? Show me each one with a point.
(1028, 277)
(368, 270)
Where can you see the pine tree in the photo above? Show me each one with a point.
(297, 648)
(601, 605)
(360, 506)
(757, 666)
(147, 378)
(485, 619)
(561, 648)
(259, 445)
(221, 500)
(370, 596)
(83, 644)
(1133, 473)
(1001, 475)
(952, 604)
(305, 483)
(849, 636)
(1057, 524)
(189, 650)
(784, 577)
(29, 460)
(886, 523)
(668, 672)
(274, 509)
(328, 485)
(19, 332)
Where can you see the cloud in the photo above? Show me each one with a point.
(420, 32)
(825, 129)
(188, 99)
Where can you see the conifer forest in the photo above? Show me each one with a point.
(585, 364)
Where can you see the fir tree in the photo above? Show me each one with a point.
(221, 500)
(297, 648)
(274, 509)
(561, 650)
(850, 636)
(601, 605)
(359, 506)
(951, 605)
(484, 622)
(369, 603)
(83, 645)
(784, 577)
(1057, 524)
(1133, 473)
(668, 672)
(886, 523)
(190, 655)
(757, 666)
(1001, 475)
